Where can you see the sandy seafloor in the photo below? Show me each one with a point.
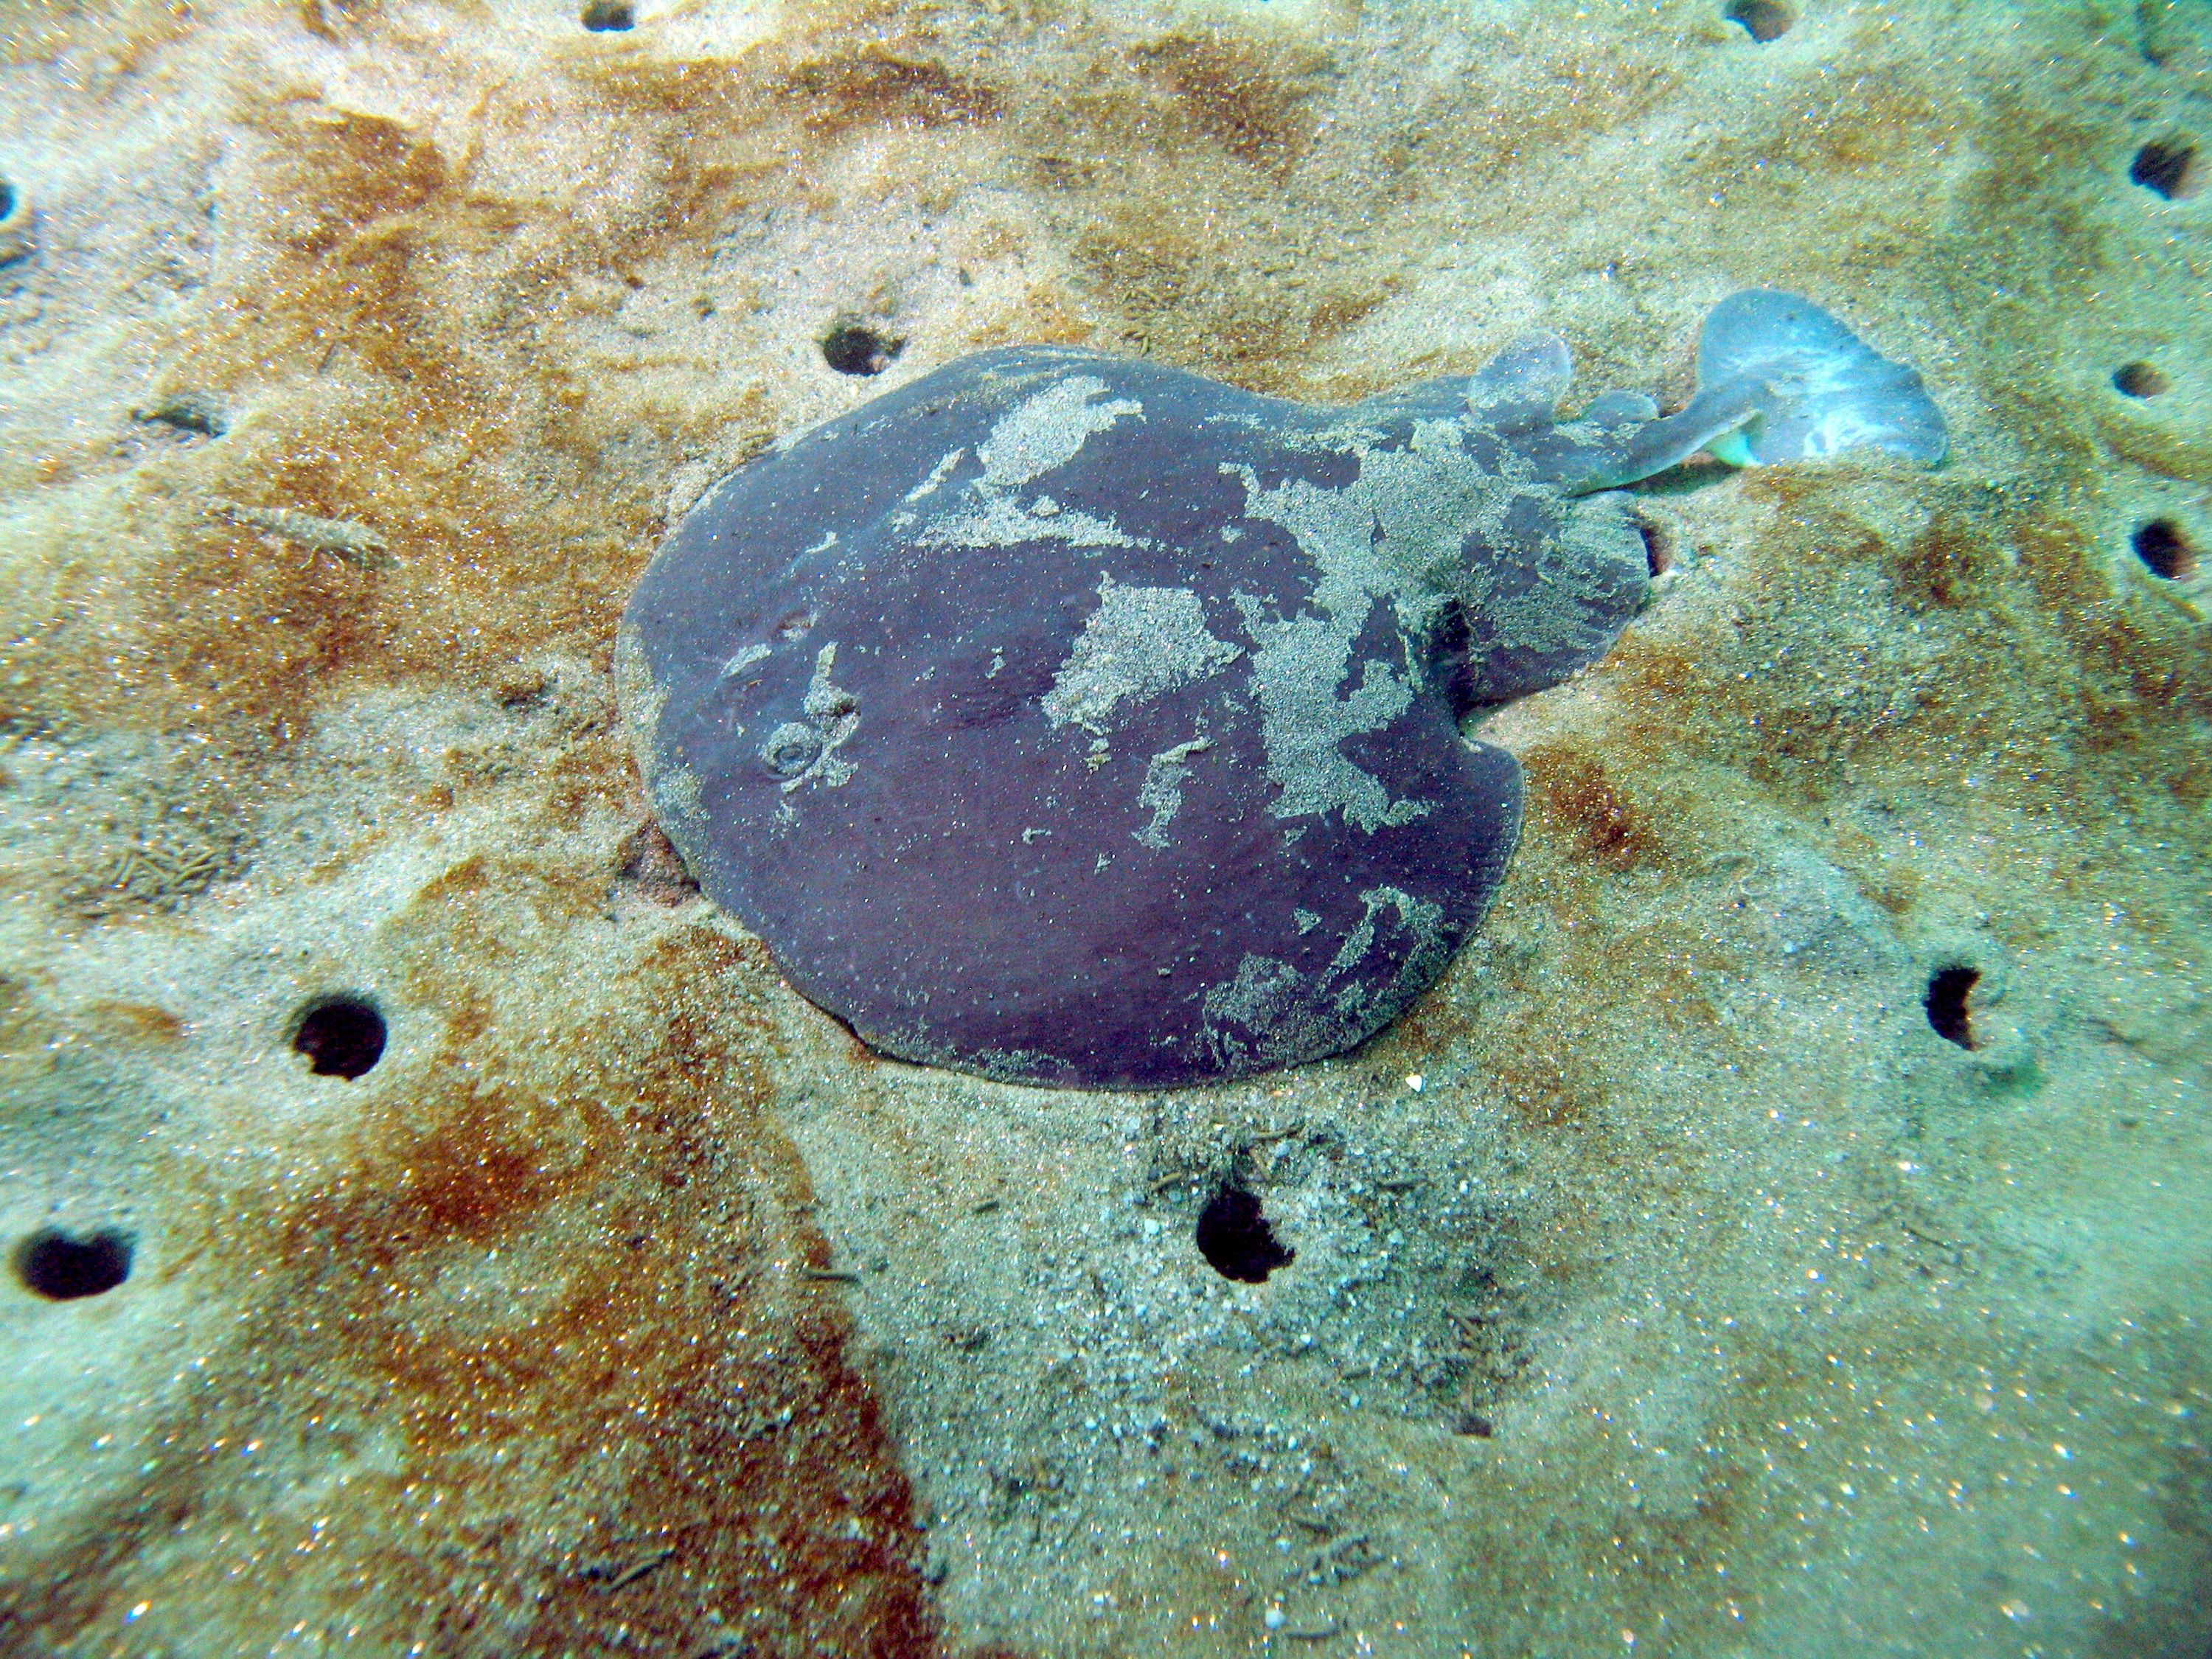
(628, 1306)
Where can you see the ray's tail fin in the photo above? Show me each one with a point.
(1779, 380)
(1824, 389)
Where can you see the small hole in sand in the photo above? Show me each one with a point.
(2140, 380)
(609, 17)
(341, 1036)
(1236, 1239)
(1762, 20)
(2165, 550)
(856, 348)
(1658, 548)
(1949, 1012)
(52, 1264)
(2168, 167)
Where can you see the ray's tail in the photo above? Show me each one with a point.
(1779, 380)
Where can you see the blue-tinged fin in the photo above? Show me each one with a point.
(1518, 389)
(1826, 390)
(1779, 380)
(1613, 408)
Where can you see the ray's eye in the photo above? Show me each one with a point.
(791, 748)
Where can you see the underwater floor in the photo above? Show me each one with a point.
(431, 1228)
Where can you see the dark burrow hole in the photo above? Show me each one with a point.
(7, 200)
(856, 348)
(1236, 1239)
(52, 1264)
(2165, 550)
(1658, 548)
(609, 17)
(2140, 380)
(2168, 167)
(1762, 20)
(1949, 1010)
(341, 1036)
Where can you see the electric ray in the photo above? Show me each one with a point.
(1078, 720)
